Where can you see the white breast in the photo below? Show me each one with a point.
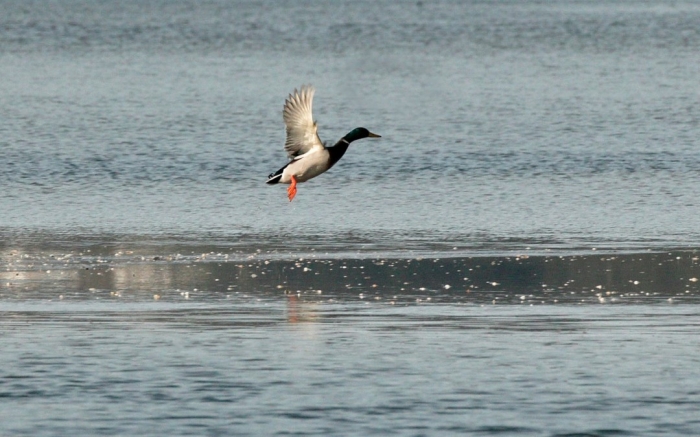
(307, 166)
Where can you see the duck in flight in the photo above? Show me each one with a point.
(308, 156)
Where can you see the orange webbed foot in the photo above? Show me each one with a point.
(292, 190)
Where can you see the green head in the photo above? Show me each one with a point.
(359, 133)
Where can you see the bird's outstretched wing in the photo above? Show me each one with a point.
(301, 127)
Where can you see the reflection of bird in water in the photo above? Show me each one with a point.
(309, 157)
(300, 311)
(292, 311)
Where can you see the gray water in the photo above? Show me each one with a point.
(244, 367)
(517, 255)
(573, 123)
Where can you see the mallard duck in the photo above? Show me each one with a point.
(308, 156)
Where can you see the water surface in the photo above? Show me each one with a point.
(517, 255)
(572, 124)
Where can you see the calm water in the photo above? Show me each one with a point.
(516, 256)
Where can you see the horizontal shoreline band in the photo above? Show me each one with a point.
(597, 277)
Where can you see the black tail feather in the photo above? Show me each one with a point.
(274, 178)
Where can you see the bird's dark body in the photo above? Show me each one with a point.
(337, 151)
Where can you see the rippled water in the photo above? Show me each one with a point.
(244, 368)
(575, 123)
(517, 255)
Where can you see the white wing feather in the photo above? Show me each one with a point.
(301, 127)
